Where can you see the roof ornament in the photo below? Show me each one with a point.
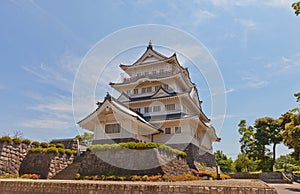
(150, 45)
(108, 96)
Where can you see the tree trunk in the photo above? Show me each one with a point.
(274, 157)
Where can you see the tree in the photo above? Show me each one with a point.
(296, 7)
(225, 163)
(268, 131)
(244, 163)
(297, 95)
(86, 138)
(287, 163)
(247, 139)
(291, 134)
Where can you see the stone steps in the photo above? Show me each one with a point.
(69, 172)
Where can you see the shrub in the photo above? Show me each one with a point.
(6, 139)
(30, 176)
(69, 152)
(60, 150)
(52, 145)
(26, 141)
(52, 150)
(8, 176)
(36, 143)
(44, 145)
(17, 140)
(60, 145)
(137, 145)
(36, 150)
(77, 176)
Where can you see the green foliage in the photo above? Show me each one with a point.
(36, 150)
(296, 7)
(86, 138)
(26, 141)
(138, 146)
(53, 150)
(226, 164)
(291, 134)
(152, 178)
(70, 152)
(17, 141)
(36, 143)
(245, 164)
(286, 163)
(60, 145)
(77, 176)
(51, 145)
(254, 141)
(9, 176)
(6, 139)
(61, 150)
(44, 145)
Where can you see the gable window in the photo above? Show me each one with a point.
(149, 89)
(170, 107)
(137, 109)
(156, 108)
(166, 86)
(136, 91)
(128, 91)
(177, 129)
(156, 88)
(144, 90)
(168, 130)
(147, 109)
(112, 128)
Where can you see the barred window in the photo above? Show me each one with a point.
(167, 130)
(149, 89)
(137, 109)
(177, 129)
(170, 107)
(156, 88)
(144, 90)
(166, 86)
(136, 91)
(156, 108)
(112, 128)
(147, 109)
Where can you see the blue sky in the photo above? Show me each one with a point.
(255, 43)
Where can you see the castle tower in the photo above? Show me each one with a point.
(158, 102)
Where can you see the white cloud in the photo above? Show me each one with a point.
(229, 90)
(247, 24)
(60, 74)
(254, 81)
(46, 124)
(285, 64)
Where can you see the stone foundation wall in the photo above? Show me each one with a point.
(68, 143)
(194, 154)
(46, 165)
(132, 162)
(78, 187)
(11, 157)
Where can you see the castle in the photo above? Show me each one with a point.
(158, 103)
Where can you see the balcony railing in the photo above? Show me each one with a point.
(151, 76)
